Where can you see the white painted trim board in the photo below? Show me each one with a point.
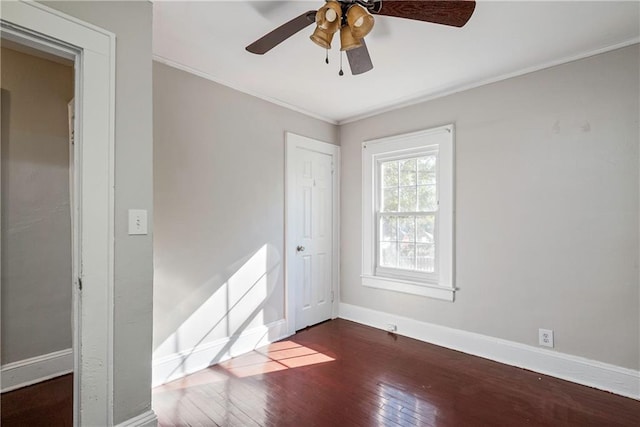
(592, 373)
(431, 95)
(207, 76)
(178, 365)
(44, 28)
(146, 419)
(403, 102)
(30, 371)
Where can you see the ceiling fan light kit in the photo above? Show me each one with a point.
(329, 16)
(359, 21)
(354, 20)
(347, 39)
(322, 37)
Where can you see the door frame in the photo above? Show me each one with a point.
(93, 52)
(292, 142)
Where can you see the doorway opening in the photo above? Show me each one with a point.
(37, 234)
(92, 52)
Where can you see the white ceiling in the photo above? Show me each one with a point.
(412, 60)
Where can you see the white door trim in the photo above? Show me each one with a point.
(293, 141)
(93, 50)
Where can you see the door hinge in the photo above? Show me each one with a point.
(331, 296)
(332, 168)
(80, 283)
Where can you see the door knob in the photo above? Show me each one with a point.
(300, 249)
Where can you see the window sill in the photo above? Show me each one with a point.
(408, 287)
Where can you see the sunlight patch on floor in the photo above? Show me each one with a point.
(272, 358)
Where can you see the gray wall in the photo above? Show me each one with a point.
(219, 203)
(36, 218)
(131, 23)
(547, 208)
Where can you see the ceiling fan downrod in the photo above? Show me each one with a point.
(372, 6)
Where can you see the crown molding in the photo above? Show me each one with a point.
(210, 77)
(404, 101)
(430, 95)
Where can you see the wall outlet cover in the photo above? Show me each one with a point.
(545, 337)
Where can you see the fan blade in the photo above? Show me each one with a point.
(359, 59)
(283, 32)
(455, 13)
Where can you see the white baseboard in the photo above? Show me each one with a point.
(26, 372)
(178, 365)
(146, 419)
(604, 376)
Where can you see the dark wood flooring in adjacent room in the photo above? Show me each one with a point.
(340, 373)
(49, 403)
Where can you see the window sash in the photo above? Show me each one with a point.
(397, 272)
(403, 272)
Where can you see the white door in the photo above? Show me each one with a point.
(311, 230)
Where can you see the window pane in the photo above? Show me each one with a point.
(390, 174)
(408, 172)
(407, 229)
(424, 228)
(425, 178)
(407, 199)
(427, 198)
(427, 170)
(390, 200)
(407, 259)
(388, 229)
(425, 258)
(389, 255)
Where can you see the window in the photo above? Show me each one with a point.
(408, 213)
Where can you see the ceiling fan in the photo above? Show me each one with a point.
(354, 20)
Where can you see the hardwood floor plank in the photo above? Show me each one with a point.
(49, 403)
(340, 373)
(344, 374)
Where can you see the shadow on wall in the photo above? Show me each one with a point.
(234, 311)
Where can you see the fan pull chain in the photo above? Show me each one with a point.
(341, 73)
(327, 58)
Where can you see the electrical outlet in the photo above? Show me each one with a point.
(545, 337)
(391, 327)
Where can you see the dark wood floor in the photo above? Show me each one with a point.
(340, 373)
(49, 403)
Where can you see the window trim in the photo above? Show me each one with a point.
(440, 284)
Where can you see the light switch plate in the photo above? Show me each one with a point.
(137, 221)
